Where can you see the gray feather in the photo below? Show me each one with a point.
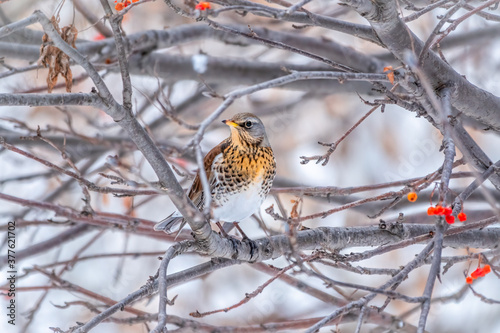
(170, 224)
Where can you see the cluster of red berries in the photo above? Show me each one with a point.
(203, 5)
(446, 212)
(124, 4)
(479, 272)
(450, 219)
(439, 210)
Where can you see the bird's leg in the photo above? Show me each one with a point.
(221, 229)
(236, 225)
(234, 242)
(251, 243)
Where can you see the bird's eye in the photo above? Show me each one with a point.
(248, 124)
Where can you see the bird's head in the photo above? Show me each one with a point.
(248, 129)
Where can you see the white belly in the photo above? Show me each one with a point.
(239, 206)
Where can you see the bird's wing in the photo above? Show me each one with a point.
(175, 222)
(172, 223)
(196, 191)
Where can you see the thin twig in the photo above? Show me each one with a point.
(365, 299)
(362, 315)
(248, 296)
(448, 144)
(282, 46)
(438, 27)
(425, 10)
(333, 146)
(115, 21)
(90, 185)
(149, 288)
(172, 252)
(230, 97)
(459, 20)
(71, 286)
(434, 273)
(458, 203)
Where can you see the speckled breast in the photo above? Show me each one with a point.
(242, 179)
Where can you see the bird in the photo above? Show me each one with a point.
(240, 172)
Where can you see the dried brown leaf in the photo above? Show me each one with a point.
(390, 75)
(54, 59)
(295, 208)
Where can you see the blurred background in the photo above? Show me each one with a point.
(388, 146)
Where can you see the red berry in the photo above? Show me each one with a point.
(477, 273)
(450, 219)
(462, 216)
(203, 5)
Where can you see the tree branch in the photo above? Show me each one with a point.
(80, 99)
(399, 40)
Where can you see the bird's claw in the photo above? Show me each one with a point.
(252, 245)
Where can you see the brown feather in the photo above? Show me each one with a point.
(196, 191)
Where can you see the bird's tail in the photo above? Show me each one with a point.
(173, 223)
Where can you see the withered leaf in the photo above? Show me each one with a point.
(54, 59)
(295, 212)
(390, 75)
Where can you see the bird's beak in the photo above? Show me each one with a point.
(229, 122)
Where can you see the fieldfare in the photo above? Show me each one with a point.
(240, 172)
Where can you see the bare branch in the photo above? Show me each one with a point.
(397, 38)
(80, 99)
